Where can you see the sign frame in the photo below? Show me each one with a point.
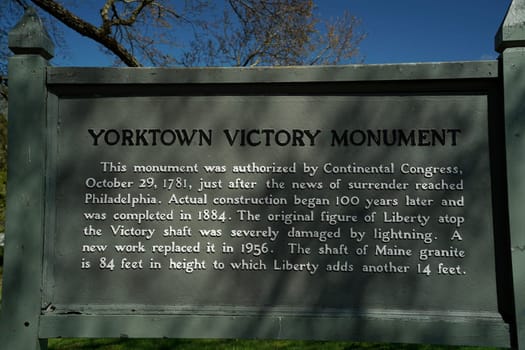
(36, 89)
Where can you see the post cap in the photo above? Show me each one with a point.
(29, 36)
(512, 31)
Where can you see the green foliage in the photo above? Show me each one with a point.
(3, 169)
(3, 177)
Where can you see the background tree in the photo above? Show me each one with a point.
(274, 32)
(202, 32)
(195, 32)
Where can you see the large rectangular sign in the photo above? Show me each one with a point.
(316, 204)
(304, 203)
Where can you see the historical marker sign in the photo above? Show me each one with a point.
(334, 203)
(358, 202)
(305, 202)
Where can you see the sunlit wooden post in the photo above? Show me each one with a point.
(510, 42)
(22, 287)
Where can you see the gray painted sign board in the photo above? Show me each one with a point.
(314, 287)
(360, 202)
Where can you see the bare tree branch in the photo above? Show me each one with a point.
(104, 13)
(87, 29)
(22, 3)
(247, 33)
(132, 18)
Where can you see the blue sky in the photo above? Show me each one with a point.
(397, 30)
(424, 30)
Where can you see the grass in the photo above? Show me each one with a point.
(228, 344)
